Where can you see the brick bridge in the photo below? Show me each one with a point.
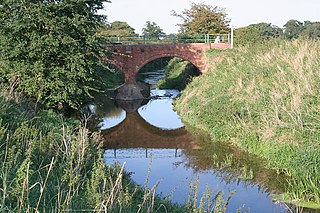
(129, 59)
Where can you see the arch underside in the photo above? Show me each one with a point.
(158, 56)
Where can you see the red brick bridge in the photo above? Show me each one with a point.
(129, 59)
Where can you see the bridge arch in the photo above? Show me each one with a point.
(158, 56)
(129, 59)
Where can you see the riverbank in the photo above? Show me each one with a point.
(52, 163)
(178, 73)
(265, 99)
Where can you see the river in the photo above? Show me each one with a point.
(151, 139)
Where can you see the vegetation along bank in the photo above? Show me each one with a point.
(50, 163)
(264, 98)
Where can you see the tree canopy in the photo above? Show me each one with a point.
(256, 33)
(117, 28)
(203, 19)
(292, 29)
(152, 30)
(311, 30)
(49, 50)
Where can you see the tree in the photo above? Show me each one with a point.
(49, 50)
(292, 29)
(152, 30)
(256, 33)
(117, 28)
(203, 19)
(311, 30)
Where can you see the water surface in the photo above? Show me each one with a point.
(152, 136)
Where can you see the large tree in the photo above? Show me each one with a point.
(117, 28)
(152, 30)
(203, 19)
(292, 29)
(48, 49)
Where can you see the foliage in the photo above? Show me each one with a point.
(49, 50)
(117, 28)
(203, 19)
(292, 29)
(311, 30)
(178, 74)
(261, 32)
(152, 30)
(307, 30)
(256, 33)
(266, 103)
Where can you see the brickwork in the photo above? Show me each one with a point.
(129, 59)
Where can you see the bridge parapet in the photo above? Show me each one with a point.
(171, 39)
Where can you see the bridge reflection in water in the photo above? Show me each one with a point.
(135, 132)
(179, 157)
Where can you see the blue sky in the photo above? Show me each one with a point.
(241, 12)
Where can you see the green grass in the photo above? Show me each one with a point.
(265, 99)
(178, 74)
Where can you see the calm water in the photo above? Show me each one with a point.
(153, 136)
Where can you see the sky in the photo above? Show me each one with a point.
(241, 12)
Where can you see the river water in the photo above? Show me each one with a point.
(150, 136)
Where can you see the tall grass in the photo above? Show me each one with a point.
(265, 99)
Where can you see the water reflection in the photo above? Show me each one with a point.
(159, 110)
(178, 157)
(156, 111)
(105, 113)
(175, 170)
(133, 132)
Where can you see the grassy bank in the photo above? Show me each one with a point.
(265, 99)
(178, 74)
